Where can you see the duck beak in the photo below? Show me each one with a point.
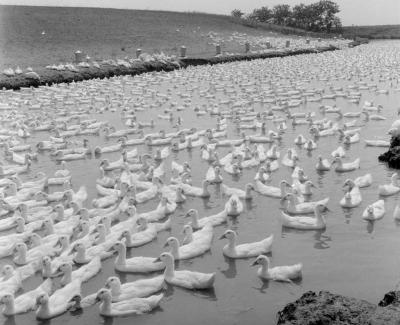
(157, 260)
(254, 263)
(222, 237)
(107, 285)
(97, 299)
(165, 245)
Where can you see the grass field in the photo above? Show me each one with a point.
(373, 32)
(110, 33)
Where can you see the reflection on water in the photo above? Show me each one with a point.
(231, 271)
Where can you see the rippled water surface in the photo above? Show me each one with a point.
(351, 257)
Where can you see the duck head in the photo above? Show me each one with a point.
(7, 271)
(228, 234)
(103, 295)
(261, 260)
(113, 284)
(142, 223)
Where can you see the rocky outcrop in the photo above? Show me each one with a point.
(392, 156)
(332, 309)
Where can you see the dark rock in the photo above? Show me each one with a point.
(332, 309)
(392, 156)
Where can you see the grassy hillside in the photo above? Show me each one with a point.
(110, 33)
(373, 32)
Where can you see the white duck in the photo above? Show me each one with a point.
(137, 264)
(305, 223)
(322, 164)
(135, 289)
(242, 194)
(245, 250)
(277, 273)
(131, 306)
(390, 189)
(352, 197)
(363, 181)
(214, 220)
(338, 152)
(293, 207)
(213, 175)
(196, 191)
(276, 192)
(197, 247)
(375, 211)
(342, 167)
(59, 302)
(184, 278)
(26, 301)
(234, 206)
(146, 232)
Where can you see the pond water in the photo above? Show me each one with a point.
(351, 257)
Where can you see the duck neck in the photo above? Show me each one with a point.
(67, 277)
(264, 270)
(49, 229)
(205, 188)
(44, 309)
(121, 258)
(21, 256)
(169, 269)
(105, 306)
(115, 289)
(179, 197)
(232, 244)
(283, 189)
(60, 215)
(175, 250)
(195, 221)
(80, 256)
(319, 216)
(46, 270)
(65, 246)
(9, 307)
(20, 227)
(128, 240)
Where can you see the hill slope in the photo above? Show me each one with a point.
(109, 33)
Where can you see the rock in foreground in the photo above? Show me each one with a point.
(392, 156)
(332, 309)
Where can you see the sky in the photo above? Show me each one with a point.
(353, 12)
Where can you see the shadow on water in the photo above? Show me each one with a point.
(231, 271)
(264, 286)
(321, 240)
(249, 205)
(370, 226)
(10, 321)
(347, 212)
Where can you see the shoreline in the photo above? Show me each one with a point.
(50, 77)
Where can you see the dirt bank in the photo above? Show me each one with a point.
(50, 77)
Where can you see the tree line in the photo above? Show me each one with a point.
(316, 17)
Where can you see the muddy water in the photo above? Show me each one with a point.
(350, 257)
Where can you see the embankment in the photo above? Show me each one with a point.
(49, 77)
